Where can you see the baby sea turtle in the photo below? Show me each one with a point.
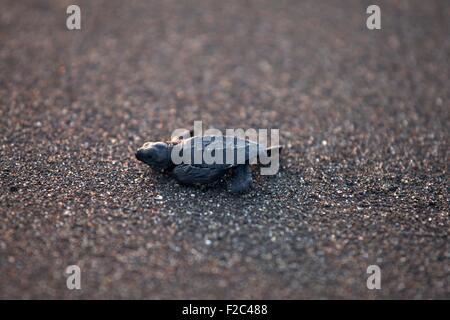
(237, 155)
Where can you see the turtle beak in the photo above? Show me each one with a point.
(140, 155)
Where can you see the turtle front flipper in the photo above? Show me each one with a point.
(242, 181)
(191, 174)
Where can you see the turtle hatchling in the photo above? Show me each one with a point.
(205, 159)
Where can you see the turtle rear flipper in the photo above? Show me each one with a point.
(242, 181)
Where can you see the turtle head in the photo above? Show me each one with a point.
(155, 154)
